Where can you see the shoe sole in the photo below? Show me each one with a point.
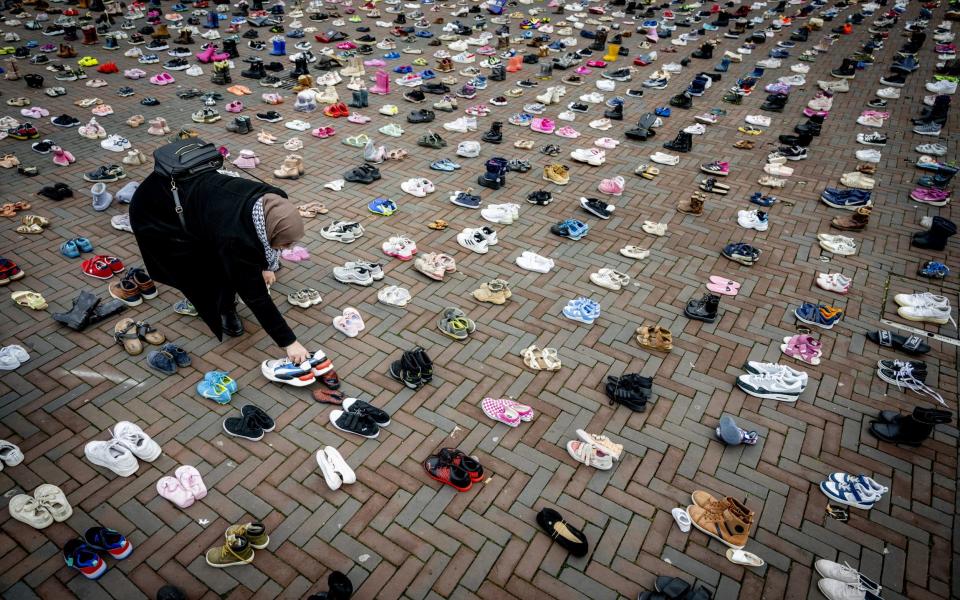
(125, 473)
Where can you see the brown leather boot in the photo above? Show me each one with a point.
(655, 338)
(727, 520)
(66, 51)
(855, 221)
(185, 39)
(160, 32)
(693, 205)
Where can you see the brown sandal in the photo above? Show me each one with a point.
(22, 205)
(744, 145)
(439, 225)
(7, 210)
(398, 154)
(125, 332)
(655, 338)
(312, 209)
(147, 333)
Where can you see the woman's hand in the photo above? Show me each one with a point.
(296, 353)
(269, 278)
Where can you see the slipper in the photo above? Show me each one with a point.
(682, 518)
(741, 557)
(724, 290)
(31, 300)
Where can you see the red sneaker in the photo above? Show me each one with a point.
(97, 268)
(114, 263)
(469, 464)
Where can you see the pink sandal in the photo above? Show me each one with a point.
(567, 132)
(235, 106)
(499, 410)
(803, 348)
(542, 124)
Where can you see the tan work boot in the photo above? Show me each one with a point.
(655, 338)
(693, 205)
(303, 82)
(254, 533)
(855, 221)
(556, 173)
(288, 169)
(235, 551)
(725, 520)
(496, 291)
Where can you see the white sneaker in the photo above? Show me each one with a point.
(462, 125)
(136, 441)
(758, 120)
(922, 299)
(870, 121)
(610, 279)
(769, 63)
(838, 244)
(766, 368)
(592, 98)
(928, 313)
(399, 246)
(794, 80)
(800, 68)
(870, 156)
(29, 510)
(932, 149)
(664, 159)
(10, 454)
(753, 219)
(843, 573)
(534, 262)
(113, 455)
(834, 282)
(890, 93)
(695, 129)
(501, 214)
(942, 87)
(469, 239)
(116, 143)
(591, 156)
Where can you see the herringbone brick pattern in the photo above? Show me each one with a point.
(396, 532)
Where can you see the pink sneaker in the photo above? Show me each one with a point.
(189, 478)
(613, 186)
(583, 70)
(567, 132)
(929, 196)
(803, 348)
(171, 489)
(499, 410)
(525, 412)
(162, 79)
(235, 106)
(542, 124)
(134, 73)
(606, 142)
(820, 113)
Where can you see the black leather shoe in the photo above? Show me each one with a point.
(232, 325)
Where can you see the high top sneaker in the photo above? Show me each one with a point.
(221, 73)
(682, 143)
(499, 73)
(727, 520)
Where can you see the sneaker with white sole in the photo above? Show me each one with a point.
(282, 370)
(502, 214)
(356, 275)
(471, 240)
(870, 156)
(112, 455)
(753, 219)
(839, 590)
(136, 441)
(772, 386)
(765, 368)
(872, 139)
(845, 574)
(851, 493)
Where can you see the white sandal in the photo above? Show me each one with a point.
(590, 455)
(603, 442)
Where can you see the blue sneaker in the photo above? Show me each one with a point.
(820, 315)
(662, 111)
(392, 55)
(214, 391)
(109, 541)
(223, 378)
(283, 371)
(761, 200)
(382, 206)
(583, 310)
(570, 228)
(444, 165)
(80, 556)
(934, 270)
(849, 199)
(69, 249)
(185, 307)
(424, 34)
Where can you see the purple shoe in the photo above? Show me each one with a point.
(931, 196)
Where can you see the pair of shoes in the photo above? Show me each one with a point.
(582, 309)
(858, 491)
(454, 323)
(772, 381)
(88, 310)
(335, 469)
(128, 443)
(238, 546)
(318, 366)
(631, 390)
(184, 488)
(506, 410)
(675, 588)
(359, 272)
(454, 468)
(168, 359)
(842, 581)
(730, 434)
(360, 418)
(47, 505)
(82, 553)
(414, 369)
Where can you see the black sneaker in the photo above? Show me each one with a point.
(103, 174)
(359, 407)
(406, 372)
(423, 362)
(65, 121)
(259, 416)
(158, 45)
(179, 52)
(176, 64)
(540, 197)
(635, 93)
(245, 427)
(270, 116)
(125, 91)
(578, 107)
(149, 101)
(526, 83)
(361, 425)
(596, 207)
(42, 147)
(414, 96)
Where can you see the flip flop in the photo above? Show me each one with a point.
(682, 518)
(741, 557)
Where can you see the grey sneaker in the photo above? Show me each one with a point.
(773, 387)
(843, 573)
(838, 590)
(928, 129)
(932, 149)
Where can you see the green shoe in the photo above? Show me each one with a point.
(235, 551)
(254, 533)
(184, 307)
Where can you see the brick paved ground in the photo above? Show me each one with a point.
(395, 532)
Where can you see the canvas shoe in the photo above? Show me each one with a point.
(942, 87)
(845, 574)
(839, 590)
(112, 455)
(283, 371)
(234, 552)
(834, 282)
(874, 139)
(136, 441)
(870, 156)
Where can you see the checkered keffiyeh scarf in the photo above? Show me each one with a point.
(273, 257)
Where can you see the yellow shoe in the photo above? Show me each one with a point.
(88, 61)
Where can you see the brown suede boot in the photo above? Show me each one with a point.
(855, 221)
(66, 51)
(693, 206)
(185, 39)
(160, 32)
(725, 520)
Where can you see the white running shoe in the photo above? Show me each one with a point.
(136, 441)
(113, 455)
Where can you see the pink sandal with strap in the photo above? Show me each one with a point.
(803, 348)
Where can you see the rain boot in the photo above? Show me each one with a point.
(613, 51)
(230, 48)
(279, 47)
(89, 35)
(381, 85)
(213, 21)
(936, 237)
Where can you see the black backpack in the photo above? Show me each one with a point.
(185, 159)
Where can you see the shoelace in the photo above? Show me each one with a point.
(904, 378)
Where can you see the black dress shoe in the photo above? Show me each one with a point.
(232, 325)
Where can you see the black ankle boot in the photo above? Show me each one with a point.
(232, 325)
(78, 317)
(682, 143)
(495, 134)
(936, 237)
(615, 113)
(703, 309)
